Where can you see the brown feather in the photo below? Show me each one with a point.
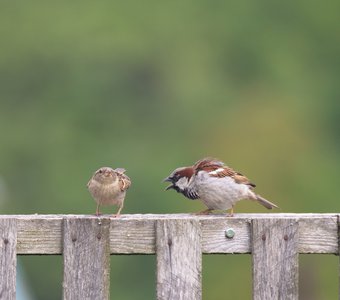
(225, 172)
(186, 172)
(239, 178)
(124, 181)
(208, 162)
(212, 164)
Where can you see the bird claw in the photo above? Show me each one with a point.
(203, 212)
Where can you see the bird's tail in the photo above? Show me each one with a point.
(265, 202)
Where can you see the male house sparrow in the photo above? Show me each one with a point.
(108, 187)
(218, 186)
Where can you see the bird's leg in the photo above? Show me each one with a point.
(231, 213)
(204, 212)
(117, 215)
(97, 210)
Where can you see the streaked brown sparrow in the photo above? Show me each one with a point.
(217, 185)
(108, 187)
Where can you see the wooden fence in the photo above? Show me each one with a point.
(86, 242)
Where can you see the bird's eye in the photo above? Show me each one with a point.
(100, 171)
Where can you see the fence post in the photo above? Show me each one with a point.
(8, 259)
(86, 259)
(275, 259)
(179, 259)
(338, 223)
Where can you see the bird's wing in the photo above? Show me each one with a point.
(124, 182)
(239, 178)
(120, 170)
(208, 163)
(216, 168)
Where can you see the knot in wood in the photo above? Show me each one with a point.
(285, 237)
(263, 237)
(6, 241)
(169, 242)
(99, 236)
(74, 239)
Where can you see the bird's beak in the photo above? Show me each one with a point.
(171, 186)
(167, 179)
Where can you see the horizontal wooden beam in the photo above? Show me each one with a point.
(136, 234)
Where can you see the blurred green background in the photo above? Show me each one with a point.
(151, 86)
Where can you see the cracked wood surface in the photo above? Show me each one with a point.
(179, 260)
(275, 259)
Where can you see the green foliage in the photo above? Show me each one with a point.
(150, 86)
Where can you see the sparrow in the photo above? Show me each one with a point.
(108, 187)
(218, 186)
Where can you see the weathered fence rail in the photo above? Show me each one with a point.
(86, 242)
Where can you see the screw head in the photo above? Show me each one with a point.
(229, 233)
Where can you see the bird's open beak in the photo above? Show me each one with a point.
(171, 186)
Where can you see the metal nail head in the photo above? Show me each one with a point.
(230, 233)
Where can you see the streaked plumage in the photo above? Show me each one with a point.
(217, 185)
(108, 187)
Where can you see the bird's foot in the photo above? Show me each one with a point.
(231, 213)
(203, 212)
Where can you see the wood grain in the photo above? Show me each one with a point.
(135, 234)
(275, 240)
(275, 259)
(8, 261)
(215, 241)
(132, 236)
(86, 259)
(40, 235)
(179, 260)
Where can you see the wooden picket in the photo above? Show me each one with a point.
(178, 240)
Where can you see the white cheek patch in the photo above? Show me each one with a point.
(182, 183)
(219, 170)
